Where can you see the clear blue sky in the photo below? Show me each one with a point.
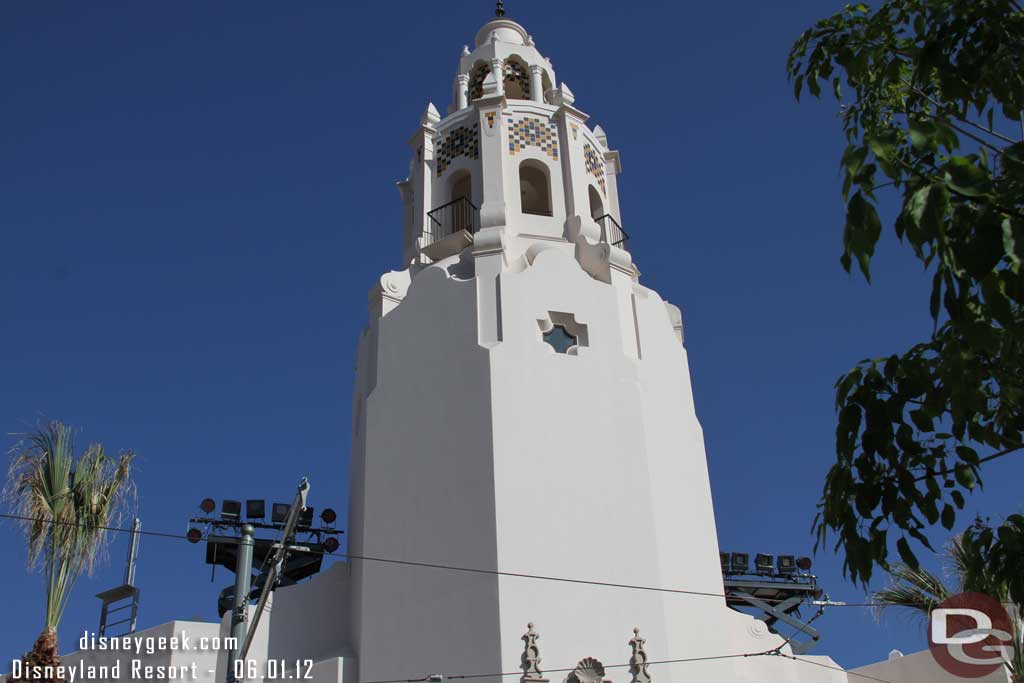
(196, 197)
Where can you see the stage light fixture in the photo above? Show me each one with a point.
(764, 564)
(804, 564)
(255, 509)
(208, 505)
(194, 535)
(279, 513)
(306, 517)
(331, 544)
(786, 564)
(726, 562)
(740, 563)
(329, 516)
(231, 509)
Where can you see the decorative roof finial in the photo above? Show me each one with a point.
(531, 658)
(638, 662)
(500, 9)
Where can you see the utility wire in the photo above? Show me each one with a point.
(684, 660)
(773, 652)
(470, 570)
(833, 668)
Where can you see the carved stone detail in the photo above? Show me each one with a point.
(531, 657)
(589, 670)
(638, 662)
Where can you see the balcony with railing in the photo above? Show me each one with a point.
(450, 228)
(612, 233)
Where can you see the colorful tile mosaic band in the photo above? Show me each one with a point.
(595, 165)
(531, 131)
(463, 141)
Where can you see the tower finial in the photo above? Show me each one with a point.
(499, 11)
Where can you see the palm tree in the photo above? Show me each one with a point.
(65, 506)
(918, 591)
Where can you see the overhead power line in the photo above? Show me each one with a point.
(833, 668)
(773, 652)
(776, 652)
(473, 570)
(502, 674)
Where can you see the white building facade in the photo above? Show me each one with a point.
(523, 405)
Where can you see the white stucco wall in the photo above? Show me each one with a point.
(478, 446)
(918, 668)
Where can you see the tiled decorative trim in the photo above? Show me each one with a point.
(463, 141)
(530, 131)
(595, 165)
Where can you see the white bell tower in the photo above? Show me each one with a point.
(523, 404)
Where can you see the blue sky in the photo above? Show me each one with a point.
(196, 197)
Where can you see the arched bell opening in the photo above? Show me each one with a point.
(596, 204)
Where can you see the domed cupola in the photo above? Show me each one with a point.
(512, 162)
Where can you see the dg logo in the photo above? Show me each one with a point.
(971, 635)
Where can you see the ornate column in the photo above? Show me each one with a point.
(420, 177)
(537, 83)
(498, 71)
(462, 91)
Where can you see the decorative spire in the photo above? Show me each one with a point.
(499, 11)
(531, 657)
(638, 662)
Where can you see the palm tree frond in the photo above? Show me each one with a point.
(66, 505)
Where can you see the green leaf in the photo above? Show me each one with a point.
(863, 228)
(907, 554)
(967, 454)
(883, 149)
(1010, 244)
(936, 297)
(967, 178)
(922, 421)
(965, 476)
(922, 135)
(948, 517)
(958, 499)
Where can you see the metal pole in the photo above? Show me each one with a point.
(281, 552)
(133, 551)
(243, 575)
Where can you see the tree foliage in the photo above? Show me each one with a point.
(931, 94)
(65, 505)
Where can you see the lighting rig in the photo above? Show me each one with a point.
(778, 587)
(223, 534)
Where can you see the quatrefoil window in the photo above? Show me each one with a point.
(560, 340)
(563, 333)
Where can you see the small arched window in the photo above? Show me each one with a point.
(596, 205)
(460, 207)
(462, 186)
(534, 188)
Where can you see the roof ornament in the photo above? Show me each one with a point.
(638, 662)
(531, 657)
(499, 11)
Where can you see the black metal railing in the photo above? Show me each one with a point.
(448, 219)
(612, 233)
